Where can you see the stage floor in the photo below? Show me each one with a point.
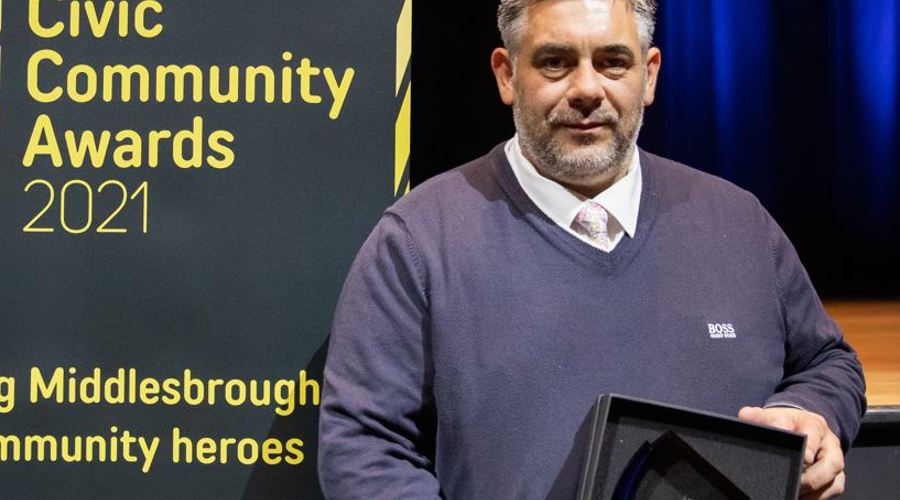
(873, 329)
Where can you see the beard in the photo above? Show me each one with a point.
(591, 157)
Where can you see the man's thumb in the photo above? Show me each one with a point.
(753, 414)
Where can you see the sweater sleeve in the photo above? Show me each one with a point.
(377, 422)
(822, 373)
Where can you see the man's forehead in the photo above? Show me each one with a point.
(593, 6)
(600, 10)
(601, 6)
(605, 21)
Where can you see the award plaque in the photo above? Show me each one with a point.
(646, 450)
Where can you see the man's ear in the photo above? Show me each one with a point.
(502, 64)
(654, 60)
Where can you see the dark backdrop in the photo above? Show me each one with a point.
(795, 101)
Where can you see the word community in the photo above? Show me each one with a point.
(110, 448)
(127, 447)
(51, 78)
(170, 82)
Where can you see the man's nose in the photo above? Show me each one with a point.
(586, 92)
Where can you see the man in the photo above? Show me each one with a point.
(491, 306)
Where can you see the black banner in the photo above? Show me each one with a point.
(183, 185)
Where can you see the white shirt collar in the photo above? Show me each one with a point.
(622, 200)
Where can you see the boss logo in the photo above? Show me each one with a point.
(721, 331)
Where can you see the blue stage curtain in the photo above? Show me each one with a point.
(796, 101)
(865, 70)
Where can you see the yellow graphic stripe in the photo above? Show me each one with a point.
(404, 43)
(401, 142)
(402, 129)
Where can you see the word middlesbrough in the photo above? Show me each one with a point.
(65, 386)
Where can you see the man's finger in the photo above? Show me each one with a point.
(751, 414)
(829, 464)
(815, 429)
(756, 415)
(833, 489)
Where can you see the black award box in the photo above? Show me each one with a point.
(641, 449)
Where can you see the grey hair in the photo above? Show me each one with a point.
(511, 21)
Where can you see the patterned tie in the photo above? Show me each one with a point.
(591, 222)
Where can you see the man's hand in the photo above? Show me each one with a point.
(824, 459)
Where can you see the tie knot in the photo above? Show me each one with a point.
(592, 221)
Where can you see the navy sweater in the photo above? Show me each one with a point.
(473, 334)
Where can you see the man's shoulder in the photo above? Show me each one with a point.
(679, 182)
(677, 174)
(466, 187)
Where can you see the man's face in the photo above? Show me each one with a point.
(578, 87)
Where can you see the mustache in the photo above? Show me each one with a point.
(573, 117)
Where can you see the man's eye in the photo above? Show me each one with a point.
(553, 63)
(616, 63)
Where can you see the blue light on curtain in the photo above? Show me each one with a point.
(712, 89)
(875, 42)
(796, 101)
(741, 41)
(763, 90)
(867, 38)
